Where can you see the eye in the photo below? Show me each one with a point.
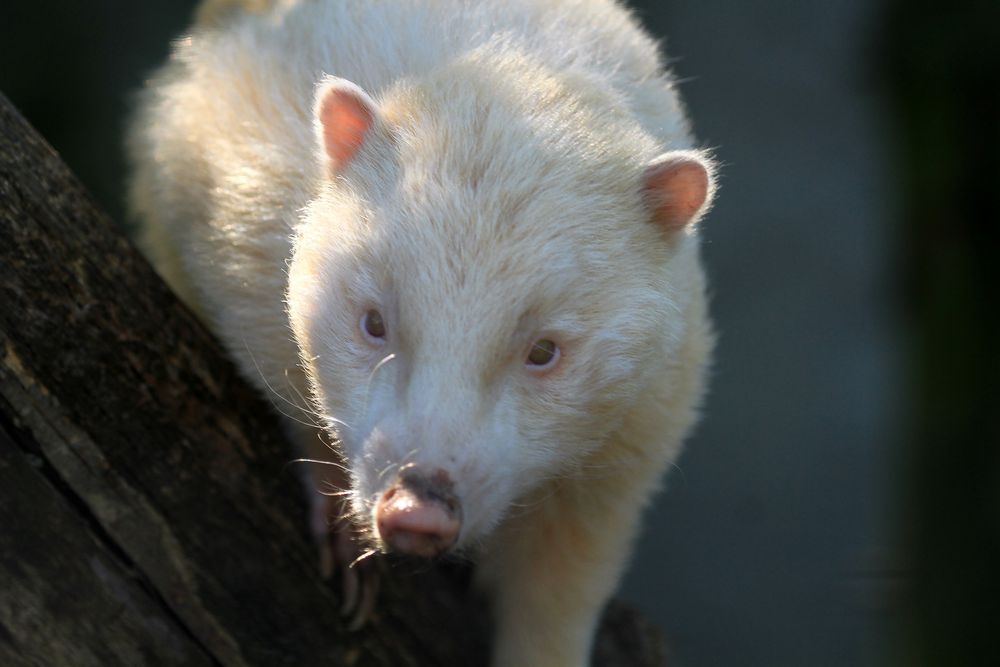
(543, 353)
(373, 324)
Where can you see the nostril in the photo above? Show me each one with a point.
(434, 483)
(442, 480)
(412, 471)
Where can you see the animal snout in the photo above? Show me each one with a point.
(419, 513)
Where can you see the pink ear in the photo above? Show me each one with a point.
(678, 188)
(344, 113)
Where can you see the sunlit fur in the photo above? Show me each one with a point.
(496, 201)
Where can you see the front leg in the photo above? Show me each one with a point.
(326, 480)
(552, 570)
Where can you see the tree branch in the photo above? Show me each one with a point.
(149, 515)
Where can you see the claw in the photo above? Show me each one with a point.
(326, 559)
(339, 551)
(349, 585)
(366, 605)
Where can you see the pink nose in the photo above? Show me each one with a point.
(419, 515)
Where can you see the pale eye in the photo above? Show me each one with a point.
(543, 353)
(373, 324)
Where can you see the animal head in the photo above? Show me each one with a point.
(493, 267)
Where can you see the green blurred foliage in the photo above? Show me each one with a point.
(944, 76)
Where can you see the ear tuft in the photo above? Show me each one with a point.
(344, 113)
(678, 187)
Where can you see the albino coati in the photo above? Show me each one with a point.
(466, 231)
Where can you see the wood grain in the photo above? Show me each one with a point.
(148, 513)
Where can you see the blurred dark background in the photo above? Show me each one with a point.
(840, 503)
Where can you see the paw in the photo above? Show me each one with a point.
(341, 554)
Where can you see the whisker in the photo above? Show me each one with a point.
(294, 419)
(324, 422)
(406, 459)
(334, 487)
(273, 391)
(364, 556)
(371, 376)
(329, 441)
(385, 470)
(309, 408)
(334, 420)
(410, 454)
(680, 471)
(335, 464)
(334, 494)
(385, 360)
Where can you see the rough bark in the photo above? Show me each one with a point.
(148, 514)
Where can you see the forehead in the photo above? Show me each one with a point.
(501, 206)
(475, 206)
(475, 270)
(491, 263)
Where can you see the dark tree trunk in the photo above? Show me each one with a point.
(147, 515)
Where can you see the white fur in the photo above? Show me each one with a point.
(496, 200)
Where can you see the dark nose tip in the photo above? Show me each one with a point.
(419, 513)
